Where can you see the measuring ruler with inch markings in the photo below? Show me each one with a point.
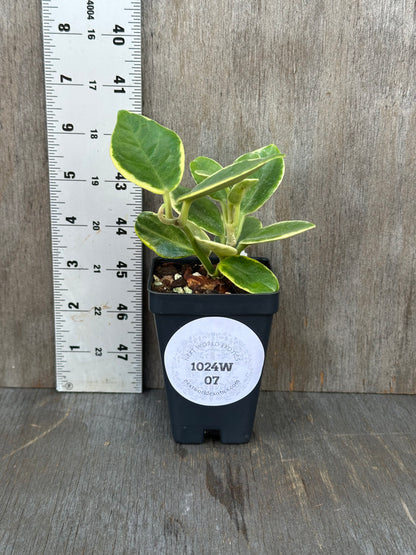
(92, 62)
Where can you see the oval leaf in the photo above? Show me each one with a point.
(249, 274)
(275, 232)
(167, 241)
(226, 177)
(147, 153)
(269, 176)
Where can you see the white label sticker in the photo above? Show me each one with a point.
(214, 361)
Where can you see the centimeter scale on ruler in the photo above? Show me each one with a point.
(93, 69)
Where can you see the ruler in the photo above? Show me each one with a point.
(93, 69)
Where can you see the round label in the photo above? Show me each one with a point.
(214, 361)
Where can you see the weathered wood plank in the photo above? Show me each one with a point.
(99, 473)
(332, 84)
(26, 302)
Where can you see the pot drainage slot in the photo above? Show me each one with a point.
(212, 434)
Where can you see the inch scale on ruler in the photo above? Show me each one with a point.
(93, 69)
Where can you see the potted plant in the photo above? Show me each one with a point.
(213, 305)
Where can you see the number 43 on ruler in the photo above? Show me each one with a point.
(93, 69)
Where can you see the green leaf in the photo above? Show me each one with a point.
(239, 190)
(166, 240)
(269, 176)
(203, 167)
(203, 212)
(218, 248)
(250, 226)
(147, 153)
(249, 274)
(275, 232)
(226, 177)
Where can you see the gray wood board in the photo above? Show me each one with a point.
(26, 300)
(99, 473)
(332, 84)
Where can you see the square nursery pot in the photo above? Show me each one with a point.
(212, 348)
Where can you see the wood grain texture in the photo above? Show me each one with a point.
(26, 301)
(332, 84)
(97, 473)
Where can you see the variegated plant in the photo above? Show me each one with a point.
(215, 216)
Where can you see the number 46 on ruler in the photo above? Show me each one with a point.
(93, 69)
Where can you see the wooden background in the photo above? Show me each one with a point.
(332, 83)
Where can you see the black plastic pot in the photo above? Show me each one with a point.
(212, 348)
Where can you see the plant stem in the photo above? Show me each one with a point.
(206, 262)
(183, 218)
(162, 217)
(233, 217)
(168, 205)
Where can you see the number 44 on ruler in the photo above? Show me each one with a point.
(93, 69)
